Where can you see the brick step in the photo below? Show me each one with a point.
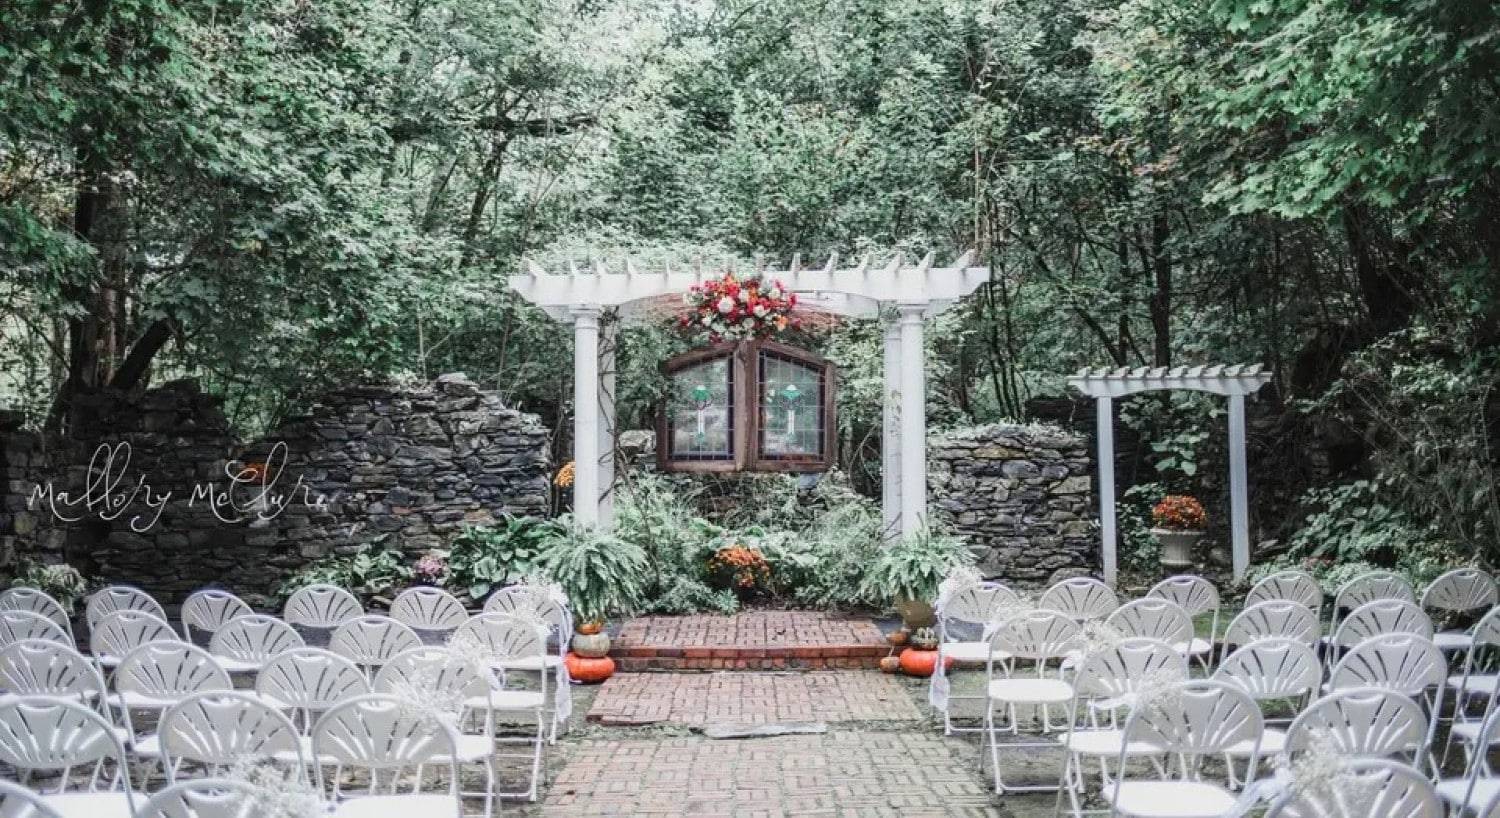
(794, 657)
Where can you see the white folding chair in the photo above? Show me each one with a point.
(429, 609)
(157, 675)
(40, 667)
(1201, 720)
(308, 681)
(209, 610)
(116, 598)
(962, 617)
(449, 677)
(219, 729)
(383, 735)
(16, 800)
(1281, 618)
(38, 602)
(320, 606)
(18, 625)
(204, 798)
(1154, 618)
(42, 733)
(1270, 669)
(1379, 788)
(1404, 662)
(1362, 722)
(1475, 682)
(119, 633)
(1369, 587)
(506, 640)
(245, 644)
(1103, 686)
(1198, 597)
(1293, 586)
(1478, 791)
(1374, 618)
(537, 601)
(371, 640)
(1082, 598)
(1461, 592)
(1037, 637)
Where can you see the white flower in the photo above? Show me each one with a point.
(760, 310)
(748, 323)
(744, 296)
(278, 793)
(708, 321)
(726, 304)
(776, 293)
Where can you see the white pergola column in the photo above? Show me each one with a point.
(890, 429)
(1239, 494)
(586, 415)
(607, 432)
(1104, 423)
(913, 420)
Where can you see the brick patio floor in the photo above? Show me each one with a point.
(835, 774)
(752, 698)
(750, 640)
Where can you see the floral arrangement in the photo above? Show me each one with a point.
(731, 309)
(739, 567)
(275, 792)
(59, 580)
(1179, 512)
(431, 568)
(564, 476)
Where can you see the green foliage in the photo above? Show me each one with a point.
(602, 575)
(60, 581)
(912, 567)
(1139, 549)
(374, 572)
(485, 558)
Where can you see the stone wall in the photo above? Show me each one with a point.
(407, 466)
(1022, 495)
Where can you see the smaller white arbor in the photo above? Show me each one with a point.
(1234, 382)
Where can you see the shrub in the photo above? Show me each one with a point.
(602, 575)
(913, 567)
(60, 581)
(373, 572)
(485, 558)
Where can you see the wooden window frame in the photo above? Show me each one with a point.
(746, 417)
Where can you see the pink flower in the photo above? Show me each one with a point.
(726, 305)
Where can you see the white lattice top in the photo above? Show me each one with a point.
(1218, 379)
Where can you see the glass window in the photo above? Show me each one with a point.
(700, 416)
(791, 408)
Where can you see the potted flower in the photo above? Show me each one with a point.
(602, 576)
(1179, 522)
(739, 568)
(908, 572)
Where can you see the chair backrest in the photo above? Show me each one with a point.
(40, 667)
(169, 671)
(1461, 590)
(254, 638)
(123, 631)
(310, 680)
(1486, 633)
(115, 598)
(1381, 616)
(209, 610)
(449, 676)
(1153, 618)
(977, 604)
(320, 606)
(536, 600)
(428, 608)
(1036, 635)
(1404, 662)
(1274, 617)
(1294, 586)
(47, 733)
(504, 637)
(371, 640)
(1081, 598)
(205, 798)
(18, 625)
(220, 728)
(38, 602)
(16, 800)
(1195, 594)
(1198, 718)
(1376, 722)
(1274, 667)
(1375, 788)
(1119, 669)
(1370, 586)
(378, 733)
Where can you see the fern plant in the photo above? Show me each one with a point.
(912, 567)
(601, 574)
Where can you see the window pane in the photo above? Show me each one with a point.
(791, 409)
(700, 414)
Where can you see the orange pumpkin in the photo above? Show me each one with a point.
(590, 628)
(890, 664)
(588, 671)
(922, 662)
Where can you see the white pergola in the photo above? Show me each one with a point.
(898, 293)
(1234, 382)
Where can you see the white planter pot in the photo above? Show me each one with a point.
(1177, 546)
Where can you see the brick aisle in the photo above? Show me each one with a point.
(753, 640)
(836, 774)
(752, 698)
